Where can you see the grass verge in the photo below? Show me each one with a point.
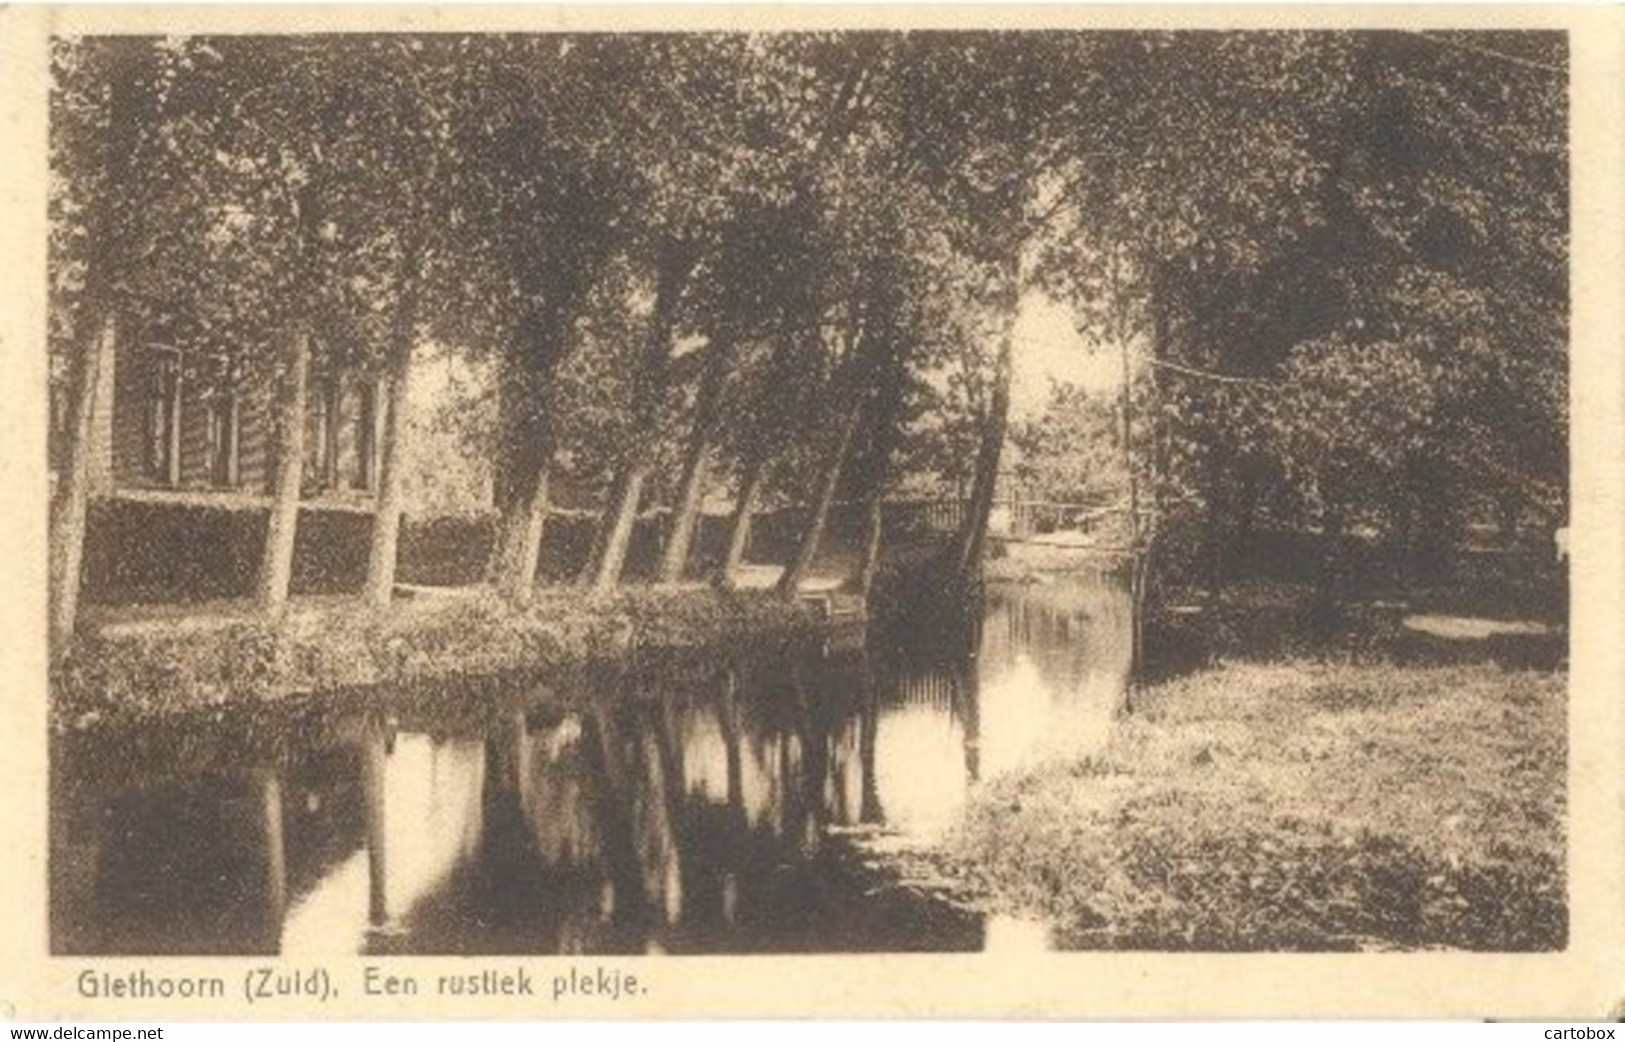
(1303, 805)
(123, 673)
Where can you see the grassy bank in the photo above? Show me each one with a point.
(133, 670)
(1309, 804)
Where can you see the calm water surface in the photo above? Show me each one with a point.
(740, 804)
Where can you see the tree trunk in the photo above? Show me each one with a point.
(518, 544)
(276, 565)
(616, 533)
(973, 527)
(1120, 327)
(524, 460)
(883, 435)
(522, 580)
(873, 523)
(70, 509)
(750, 490)
(386, 520)
(113, 229)
(650, 377)
(696, 465)
(686, 513)
(813, 534)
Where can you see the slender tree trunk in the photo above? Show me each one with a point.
(616, 534)
(750, 490)
(113, 229)
(649, 382)
(522, 578)
(883, 434)
(873, 523)
(696, 465)
(1128, 440)
(510, 526)
(686, 513)
(392, 463)
(386, 520)
(973, 527)
(973, 530)
(525, 461)
(70, 509)
(813, 534)
(1161, 348)
(276, 564)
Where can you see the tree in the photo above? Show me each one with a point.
(272, 265)
(538, 207)
(673, 269)
(401, 174)
(995, 118)
(103, 122)
(1276, 191)
(704, 139)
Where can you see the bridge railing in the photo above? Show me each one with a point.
(933, 515)
(1020, 519)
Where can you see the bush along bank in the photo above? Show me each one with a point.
(130, 672)
(1303, 805)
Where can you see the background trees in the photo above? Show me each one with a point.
(1308, 217)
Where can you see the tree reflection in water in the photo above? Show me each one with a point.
(722, 806)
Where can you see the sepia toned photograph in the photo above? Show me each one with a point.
(522, 494)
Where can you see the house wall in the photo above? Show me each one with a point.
(346, 475)
(192, 546)
(124, 426)
(194, 463)
(122, 438)
(254, 441)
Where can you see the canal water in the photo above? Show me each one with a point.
(745, 803)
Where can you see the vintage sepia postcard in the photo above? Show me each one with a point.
(535, 513)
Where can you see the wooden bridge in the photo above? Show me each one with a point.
(1078, 526)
